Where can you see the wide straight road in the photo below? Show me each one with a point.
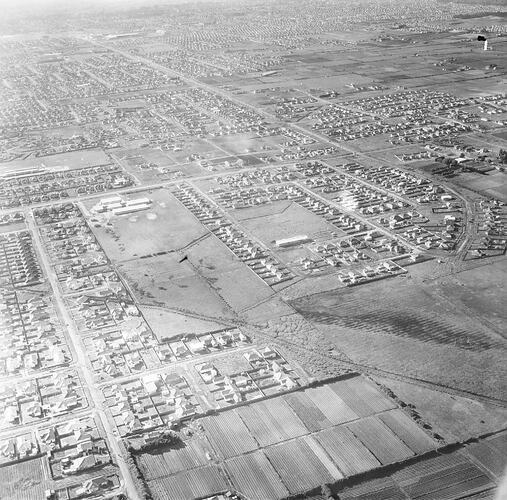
(81, 361)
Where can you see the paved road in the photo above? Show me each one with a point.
(143, 187)
(268, 116)
(83, 367)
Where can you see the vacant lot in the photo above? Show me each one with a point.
(453, 417)
(481, 291)
(209, 281)
(233, 280)
(163, 281)
(165, 323)
(73, 160)
(493, 184)
(258, 212)
(294, 220)
(166, 226)
(409, 330)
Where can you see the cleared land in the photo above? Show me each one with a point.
(136, 235)
(453, 417)
(408, 330)
(293, 221)
(232, 279)
(166, 323)
(162, 281)
(480, 291)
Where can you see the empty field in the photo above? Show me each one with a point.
(165, 323)
(480, 290)
(232, 279)
(406, 311)
(260, 211)
(295, 220)
(407, 328)
(170, 227)
(209, 281)
(162, 281)
(453, 417)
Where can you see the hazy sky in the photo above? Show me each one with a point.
(32, 8)
(84, 3)
(78, 4)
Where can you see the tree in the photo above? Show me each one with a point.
(327, 493)
(502, 155)
(166, 438)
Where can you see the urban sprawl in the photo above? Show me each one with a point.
(253, 250)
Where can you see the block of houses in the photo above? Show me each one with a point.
(93, 486)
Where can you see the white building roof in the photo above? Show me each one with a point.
(293, 240)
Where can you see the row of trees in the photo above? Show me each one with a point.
(166, 438)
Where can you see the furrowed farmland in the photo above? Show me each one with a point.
(450, 475)
(291, 443)
(326, 434)
(254, 475)
(195, 483)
